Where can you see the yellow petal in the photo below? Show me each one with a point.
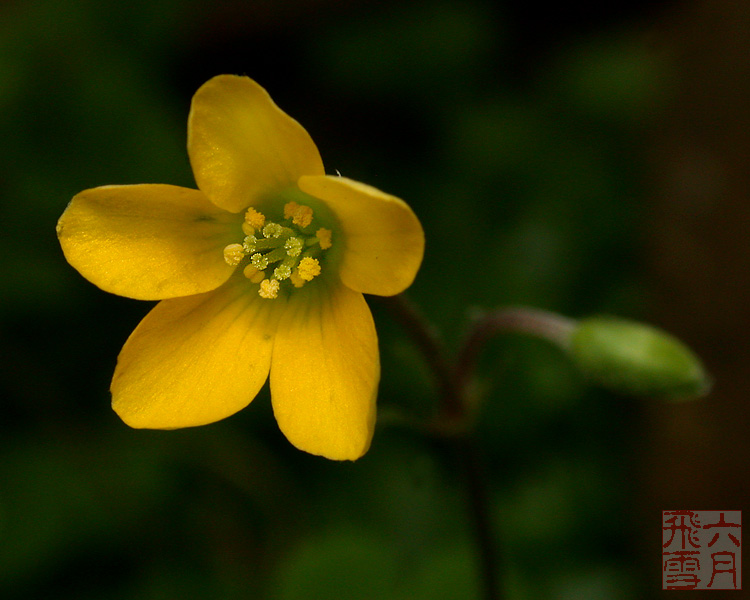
(147, 241)
(242, 146)
(384, 239)
(196, 360)
(325, 372)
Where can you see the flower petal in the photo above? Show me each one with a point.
(147, 241)
(242, 146)
(325, 372)
(384, 239)
(196, 360)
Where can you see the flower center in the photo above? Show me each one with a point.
(286, 253)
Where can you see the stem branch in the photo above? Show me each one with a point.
(454, 380)
(540, 323)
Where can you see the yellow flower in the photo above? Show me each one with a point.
(260, 270)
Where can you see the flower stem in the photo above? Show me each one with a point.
(427, 339)
(478, 505)
(454, 408)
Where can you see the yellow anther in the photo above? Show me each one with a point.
(303, 216)
(272, 230)
(254, 218)
(253, 274)
(247, 229)
(324, 238)
(289, 209)
(233, 254)
(269, 289)
(296, 280)
(308, 268)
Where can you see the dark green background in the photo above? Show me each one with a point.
(522, 137)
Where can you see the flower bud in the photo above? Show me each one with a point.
(636, 359)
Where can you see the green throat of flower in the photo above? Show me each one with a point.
(280, 254)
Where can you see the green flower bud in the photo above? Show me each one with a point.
(632, 358)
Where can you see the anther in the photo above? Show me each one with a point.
(296, 280)
(324, 238)
(253, 274)
(233, 254)
(289, 209)
(247, 229)
(303, 216)
(269, 289)
(308, 268)
(254, 218)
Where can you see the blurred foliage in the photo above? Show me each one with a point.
(522, 157)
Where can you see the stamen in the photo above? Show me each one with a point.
(289, 209)
(233, 254)
(296, 280)
(303, 216)
(253, 274)
(281, 251)
(269, 289)
(254, 218)
(293, 246)
(324, 238)
(308, 268)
